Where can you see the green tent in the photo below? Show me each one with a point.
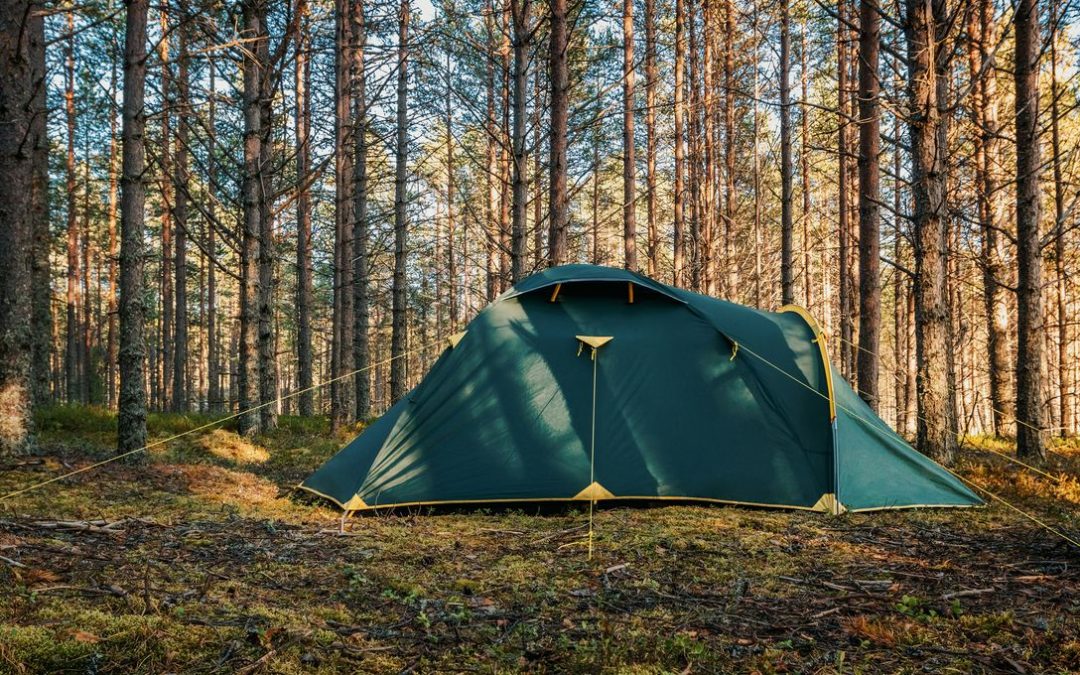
(592, 383)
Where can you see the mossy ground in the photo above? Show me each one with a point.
(219, 568)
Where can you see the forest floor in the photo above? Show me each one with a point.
(199, 558)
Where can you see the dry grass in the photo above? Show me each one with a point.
(218, 568)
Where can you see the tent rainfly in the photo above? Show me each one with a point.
(591, 383)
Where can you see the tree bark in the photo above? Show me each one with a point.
(558, 201)
(180, 401)
(41, 326)
(398, 370)
(73, 367)
(651, 77)
(131, 418)
(165, 353)
(361, 281)
(629, 179)
(214, 392)
(1064, 390)
(521, 16)
(1030, 443)
(787, 246)
(341, 407)
(869, 196)
(678, 254)
(936, 436)
(267, 358)
(987, 159)
(304, 287)
(17, 99)
(248, 375)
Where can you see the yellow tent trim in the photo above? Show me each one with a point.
(456, 338)
(819, 338)
(535, 500)
(594, 491)
(555, 293)
(595, 341)
(355, 504)
(630, 289)
(829, 504)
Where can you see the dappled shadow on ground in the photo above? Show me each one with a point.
(201, 564)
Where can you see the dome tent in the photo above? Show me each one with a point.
(593, 383)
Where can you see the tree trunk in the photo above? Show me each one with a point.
(869, 211)
(341, 408)
(131, 418)
(987, 159)
(1064, 390)
(629, 188)
(304, 287)
(679, 198)
(651, 76)
(491, 226)
(398, 369)
(267, 359)
(787, 252)
(165, 354)
(558, 201)
(361, 301)
(521, 10)
(248, 375)
(1029, 438)
(804, 170)
(843, 193)
(40, 284)
(72, 364)
(936, 435)
(730, 198)
(180, 401)
(214, 394)
(17, 109)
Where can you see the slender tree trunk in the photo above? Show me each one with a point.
(730, 197)
(651, 76)
(361, 301)
(936, 427)
(695, 107)
(248, 375)
(165, 354)
(72, 365)
(491, 228)
(1064, 391)
(214, 394)
(521, 16)
(804, 170)
(679, 197)
(987, 159)
(1029, 437)
(180, 401)
(267, 352)
(18, 67)
(843, 193)
(787, 245)
(869, 197)
(398, 345)
(709, 194)
(40, 283)
(131, 420)
(343, 318)
(538, 181)
(505, 154)
(451, 232)
(629, 187)
(558, 201)
(304, 287)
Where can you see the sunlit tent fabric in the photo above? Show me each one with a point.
(592, 383)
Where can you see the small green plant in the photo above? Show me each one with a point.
(915, 608)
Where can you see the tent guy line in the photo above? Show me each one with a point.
(208, 425)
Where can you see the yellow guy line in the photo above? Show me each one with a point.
(165, 441)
